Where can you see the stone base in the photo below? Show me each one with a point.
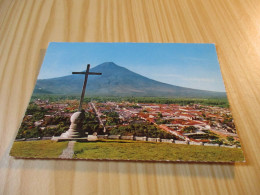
(60, 139)
(71, 133)
(83, 139)
(75, 130)
(92, 138)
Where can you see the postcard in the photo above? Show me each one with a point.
(129, 101)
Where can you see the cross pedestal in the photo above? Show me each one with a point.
(75, 130)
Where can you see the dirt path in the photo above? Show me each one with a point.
(68, 152)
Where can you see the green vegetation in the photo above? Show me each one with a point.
(208, 135)
(53, 126)
(220, 102)
(127, 149)
(91, 124)
(54, 98)
(217, 141)
(38, 149)
(144, 129)
(162, 121)
(231, 141)
(112, 118)
(229, 138)
(133, 150)
(33, 108)
(135, 106)
(189, 129)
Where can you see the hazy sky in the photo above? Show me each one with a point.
(187, 65)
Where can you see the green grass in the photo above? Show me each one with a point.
(133, 150)
(127, 150)
(38, 149)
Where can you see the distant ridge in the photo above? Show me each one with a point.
(118, 81)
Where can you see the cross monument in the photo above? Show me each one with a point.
(76, 120)
(85, 84)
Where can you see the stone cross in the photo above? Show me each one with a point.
(85, 83)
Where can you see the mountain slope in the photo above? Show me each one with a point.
(118, 81)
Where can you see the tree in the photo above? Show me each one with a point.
(217, 141)
(160, 115)
(230, 139)
(189, 129)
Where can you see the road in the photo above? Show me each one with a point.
(98, 114)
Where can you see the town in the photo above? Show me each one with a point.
(192, 123)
